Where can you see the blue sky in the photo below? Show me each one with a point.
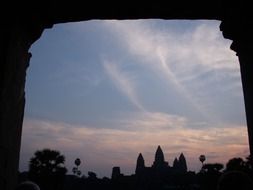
(106, 90)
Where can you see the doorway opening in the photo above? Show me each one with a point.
(106, 90)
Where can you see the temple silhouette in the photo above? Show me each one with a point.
(159, 169)
(160, 166)
(156, 176)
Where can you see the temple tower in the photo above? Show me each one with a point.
(159, 159)
(140, 165)
(182, 163)
(176, 164)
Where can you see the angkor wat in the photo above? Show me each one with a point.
(160, 167)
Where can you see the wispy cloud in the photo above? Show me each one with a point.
(152, 121)
(123, 82)
(101, 149)
(183, 58)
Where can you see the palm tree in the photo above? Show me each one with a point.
(202, 158)
(75, 169)
(47, 168)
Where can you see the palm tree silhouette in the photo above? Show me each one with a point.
(202, 158)
(47, 168)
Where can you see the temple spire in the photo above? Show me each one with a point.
(175, 163)
(182, 163)
(159, 158)
(140, 165)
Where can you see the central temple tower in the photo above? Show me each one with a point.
(159, 159)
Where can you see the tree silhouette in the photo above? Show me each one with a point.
(236, 164)
(239, 164)
(249, 162)
(209, 175)
(47, 169)
(213, 168)
(202, 158)
(75, 169)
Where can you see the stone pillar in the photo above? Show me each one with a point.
(240, 31)
(15, 41)
(115, 172)
(246, 63)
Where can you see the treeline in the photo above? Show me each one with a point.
(47, 170)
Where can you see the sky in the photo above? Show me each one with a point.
(104, 91)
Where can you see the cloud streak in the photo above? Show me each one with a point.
(183, 58)
(123, 82)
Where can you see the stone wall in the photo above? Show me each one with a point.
(18, 34)
(15, 39)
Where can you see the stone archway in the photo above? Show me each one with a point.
(29, 20)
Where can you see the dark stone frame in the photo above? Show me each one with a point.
(28, 20)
